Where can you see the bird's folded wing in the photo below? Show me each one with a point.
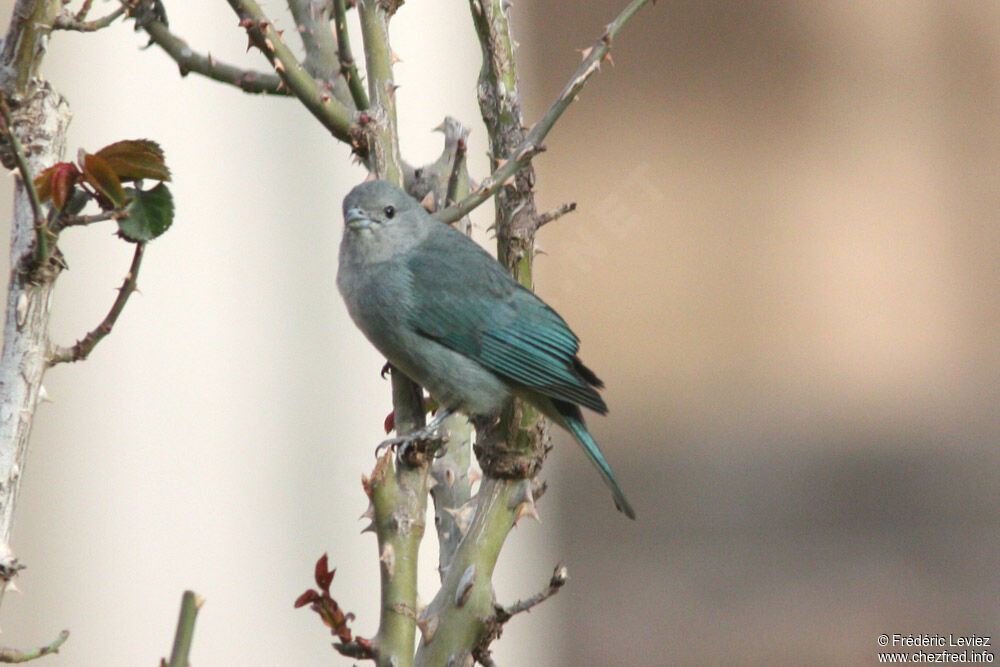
(467, 302)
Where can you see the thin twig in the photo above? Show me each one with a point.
(334, 116)
(62, 222)
(348, 66)
(83, 347)
(67, 21)
(41, 228)
(190, 604)
(14, 655)
(532, 144)
(550, 216)
(84, 10)
(559, 578)
(456, 172)
(188, 60)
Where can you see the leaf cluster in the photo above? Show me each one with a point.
(142, 214)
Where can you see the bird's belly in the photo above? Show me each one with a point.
(452, 379)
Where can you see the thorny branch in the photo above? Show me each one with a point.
(11, 655)
(555, 214)
(189, 60)
(532, 144)
(83, 347)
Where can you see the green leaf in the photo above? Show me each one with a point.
(99, 174)
(135, 159)
(150, 213)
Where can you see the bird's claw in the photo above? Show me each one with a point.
(428, 434)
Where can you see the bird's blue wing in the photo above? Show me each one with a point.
(467, 301)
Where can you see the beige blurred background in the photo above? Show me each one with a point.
(783, 265)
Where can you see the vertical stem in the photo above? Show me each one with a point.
(40, 119)
(383, 140)
(399, 497)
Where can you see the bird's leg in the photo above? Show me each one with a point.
(426, 433)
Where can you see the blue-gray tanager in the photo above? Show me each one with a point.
(448, 315)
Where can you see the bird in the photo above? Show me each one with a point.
(449, 316)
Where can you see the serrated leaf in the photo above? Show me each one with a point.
(136, 159)
(56, 183)
(150, 213)
(99, 174)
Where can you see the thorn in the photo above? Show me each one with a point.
(428, 202)
(388, 559)
(43, 396)
(429, 626)
(370, 528)
(585, 53)
(394, 58)
(463, 515)
(368, 513)
(474, 476)
(608, 58)
(465, 584)
(449, 474)
(527, 509)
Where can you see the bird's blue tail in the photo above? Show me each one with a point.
(574, 422)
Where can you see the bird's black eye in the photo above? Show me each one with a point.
(389, 211)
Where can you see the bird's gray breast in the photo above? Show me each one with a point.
(380, 298)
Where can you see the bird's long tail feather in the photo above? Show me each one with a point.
(574, 422)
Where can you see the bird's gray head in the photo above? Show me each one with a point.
(381, 220)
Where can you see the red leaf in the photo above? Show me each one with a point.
(306, 598)
(323, 573)
(56, 183)
(135, 159)
(99, 174)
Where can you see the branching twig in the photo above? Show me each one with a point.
(312, 21)
(41, 227)
(559, 578)
(188, 60)
(348, 67)
(322, 104)
(190, 604)
(550, 216)
(14, 655)
(67, 21)
(85, 345)
(532, 144)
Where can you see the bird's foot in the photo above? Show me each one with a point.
(424, 440)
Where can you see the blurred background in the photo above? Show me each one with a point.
(783, 265)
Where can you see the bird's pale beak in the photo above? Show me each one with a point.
(355, 218)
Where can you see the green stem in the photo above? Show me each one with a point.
(383, 142)
(321, 61)
(190, 604)
(12, 655)
(348, 66)
(327, 109)
(188, 61)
